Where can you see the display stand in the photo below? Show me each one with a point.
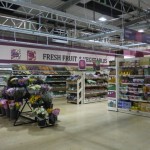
(134, 86)
(5, 73)
(75, 90)
(26, 116)
(95, 87)
(22, 113)
(112, 86)
(26, 89)
(58, 84)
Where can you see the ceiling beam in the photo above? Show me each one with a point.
(141, 18)
(51, 14)
(101, 35)
(67, 5)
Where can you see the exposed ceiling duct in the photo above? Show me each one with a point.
(101, 35)
(139, 19)
(67, 4)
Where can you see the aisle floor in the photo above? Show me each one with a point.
(82, 127)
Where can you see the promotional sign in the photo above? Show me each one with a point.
(50, 56)
(130, 34)
(82, 65)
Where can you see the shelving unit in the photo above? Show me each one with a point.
(58, 84)
(5, 73)
(112, 86)
(95, 87)
(75, 89)
(54, 76)
(134, 86)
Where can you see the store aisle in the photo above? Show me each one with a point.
(80, 127)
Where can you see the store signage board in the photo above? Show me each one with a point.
(82, 64)
(18, 54)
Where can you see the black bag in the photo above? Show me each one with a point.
(52, 119)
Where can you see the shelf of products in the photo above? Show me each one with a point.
(95, 87)
(5, 73)
(39, 70)
(112, 86)
(58, 84)
(75, 89)
(134, 90)
(54, 76)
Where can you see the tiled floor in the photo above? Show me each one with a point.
(82, 127)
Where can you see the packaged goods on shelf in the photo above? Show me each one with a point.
(134, 84)
(112, 80)
(112, 63)
(74, 89)
(112, 103)
(112, 86)
(95, 87)
(124, 104)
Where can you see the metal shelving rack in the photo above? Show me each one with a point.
(132, 98)
(113, 98)
(77, 90)
(57, 78)
(5, 73)
(58, 85)
(95, 95)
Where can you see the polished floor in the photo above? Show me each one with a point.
(82, 127)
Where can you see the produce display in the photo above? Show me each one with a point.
(38, 70)
(32, 91)
(95, 87)
(54, 76)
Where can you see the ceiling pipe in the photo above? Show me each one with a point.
(145, 25)
(138, 44)
(101, 35)
(67, 5)
(141, 18)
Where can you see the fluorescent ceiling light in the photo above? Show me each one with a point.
(141, 30)
(128, 56)
(102, 19)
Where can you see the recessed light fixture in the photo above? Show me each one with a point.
(141, 30)
(102, 19)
